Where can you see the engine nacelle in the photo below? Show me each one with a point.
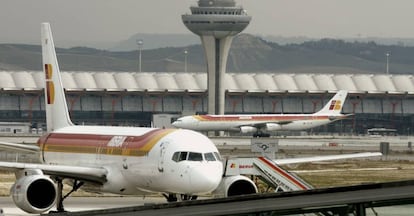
(273, 127)
(34, 193)
(235, 185)
(247, 129)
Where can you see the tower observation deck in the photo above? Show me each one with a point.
(216, 22)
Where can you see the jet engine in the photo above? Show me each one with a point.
(235, 185)
(247, 129)
(273, 127)
(34, 193)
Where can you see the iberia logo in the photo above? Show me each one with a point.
(50, 87)
(233, 165)
(335, 105)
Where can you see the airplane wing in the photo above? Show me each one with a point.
(281, 122)
(91, 174)
(19, 147)
(262, 125)
(286, 161)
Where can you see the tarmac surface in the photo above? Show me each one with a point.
(75, 204)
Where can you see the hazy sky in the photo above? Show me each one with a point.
(115, 20)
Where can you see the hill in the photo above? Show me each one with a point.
(248, 54)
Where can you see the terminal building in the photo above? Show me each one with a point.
(131, 98)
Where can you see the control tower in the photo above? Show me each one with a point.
(216, 22)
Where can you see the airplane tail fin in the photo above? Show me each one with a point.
(57, 114)
(334, 106)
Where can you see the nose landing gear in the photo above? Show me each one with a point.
(171, 197)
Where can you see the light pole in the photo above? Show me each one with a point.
(185, 60)
(387, 65)
(140, 44)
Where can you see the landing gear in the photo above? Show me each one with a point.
(184, 197)
(179, 197)
(170, 197)
(60, 198)
(261, 134)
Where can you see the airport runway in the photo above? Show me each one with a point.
(400, 147)
(356, 141)
(74, 204)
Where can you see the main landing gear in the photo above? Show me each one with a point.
(60, 198)
(178, 197)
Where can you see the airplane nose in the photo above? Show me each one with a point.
(206, 178)
(177, 124)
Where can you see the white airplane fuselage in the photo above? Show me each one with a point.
(138, 160)
(237, 122)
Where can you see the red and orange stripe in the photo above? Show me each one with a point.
(98, 144)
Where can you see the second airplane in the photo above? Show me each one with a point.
(258, 124)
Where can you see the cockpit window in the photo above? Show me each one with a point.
(217, 156)
(179, 156)
(193, 156)
(183, 156)
(176, 156)
(209, 156)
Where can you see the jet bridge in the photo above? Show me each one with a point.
(268, 171)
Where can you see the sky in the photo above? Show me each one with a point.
(116, 20)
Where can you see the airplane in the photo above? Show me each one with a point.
(258, 123)
(121, 160)
(177, 163)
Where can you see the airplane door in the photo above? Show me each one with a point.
(125, 152)
(161, 159)
(99, 150)
(43, 145)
